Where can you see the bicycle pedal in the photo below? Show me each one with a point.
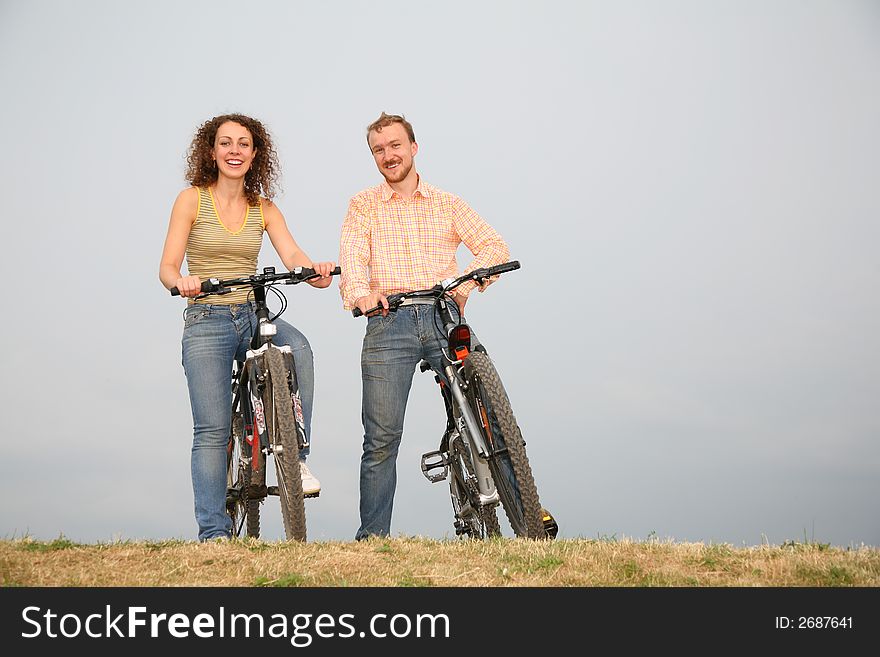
(429, 466)
(273, 490)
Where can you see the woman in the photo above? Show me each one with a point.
(218, 224)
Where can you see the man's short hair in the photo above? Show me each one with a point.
(388, 119)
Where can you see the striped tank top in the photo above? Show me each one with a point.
(214, 251)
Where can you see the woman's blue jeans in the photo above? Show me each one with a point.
(392, 348)
(214, 336)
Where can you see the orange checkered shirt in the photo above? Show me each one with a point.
(392, 245)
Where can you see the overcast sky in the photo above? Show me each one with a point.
(692, 188)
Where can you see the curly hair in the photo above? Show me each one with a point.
(385, 120)
(262, 179)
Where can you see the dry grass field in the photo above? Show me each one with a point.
(420, 562)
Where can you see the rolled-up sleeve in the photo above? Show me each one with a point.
(487, 245)
(354, 255)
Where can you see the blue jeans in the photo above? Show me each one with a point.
(213, 337)
(392, 348)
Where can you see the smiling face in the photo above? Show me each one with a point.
(393, 152)
(233, 149)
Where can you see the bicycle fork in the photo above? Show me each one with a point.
(467, 426)
(479, 449)
(258, 440)
(257, 389)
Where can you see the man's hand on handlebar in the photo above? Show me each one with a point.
(189, 286)
(324, 269)
(371, 301)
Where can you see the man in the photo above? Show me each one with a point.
(399, 236)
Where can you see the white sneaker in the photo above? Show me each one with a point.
(311, 485)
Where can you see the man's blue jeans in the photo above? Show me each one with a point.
(213, 337)
(392, 348)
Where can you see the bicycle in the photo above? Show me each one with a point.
(267, 417)
(482, 452)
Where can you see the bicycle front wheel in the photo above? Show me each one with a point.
(508, 461)
(286, 448)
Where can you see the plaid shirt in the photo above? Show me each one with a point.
(392, 245)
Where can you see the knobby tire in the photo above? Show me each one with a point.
(255, 491)
(522, 507)
(290, 491)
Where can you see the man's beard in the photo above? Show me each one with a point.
(398, 174)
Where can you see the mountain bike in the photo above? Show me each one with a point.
(482, 452)
(267, 417)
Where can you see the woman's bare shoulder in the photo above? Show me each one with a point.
(189, 195)
(187, 199)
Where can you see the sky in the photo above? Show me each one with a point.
(692, 344)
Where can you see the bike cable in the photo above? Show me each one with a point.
(283, 300)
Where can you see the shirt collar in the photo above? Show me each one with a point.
(422, 189)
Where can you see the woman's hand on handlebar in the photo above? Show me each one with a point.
(371, 301)
(189, 286)
(324, 269)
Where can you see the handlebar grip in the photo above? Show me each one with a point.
(393, 301)
(505, 267)
(307, 272)
(207, 286)
(357, 311)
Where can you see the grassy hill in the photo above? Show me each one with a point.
(407, 562)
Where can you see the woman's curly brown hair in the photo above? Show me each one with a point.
(262, 177)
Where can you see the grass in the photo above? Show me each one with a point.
(421, 562)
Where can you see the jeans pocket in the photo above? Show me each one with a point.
(193, 315)
(377, 324)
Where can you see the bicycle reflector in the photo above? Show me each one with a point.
(460, 341)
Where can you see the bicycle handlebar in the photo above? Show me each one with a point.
(479, 275)
(292, 277)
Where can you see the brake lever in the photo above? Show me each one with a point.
(294, 281)
(298, 272)
(393, 304)
(480, 276)
(222, 290)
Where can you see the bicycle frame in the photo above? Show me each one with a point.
(459, 340)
